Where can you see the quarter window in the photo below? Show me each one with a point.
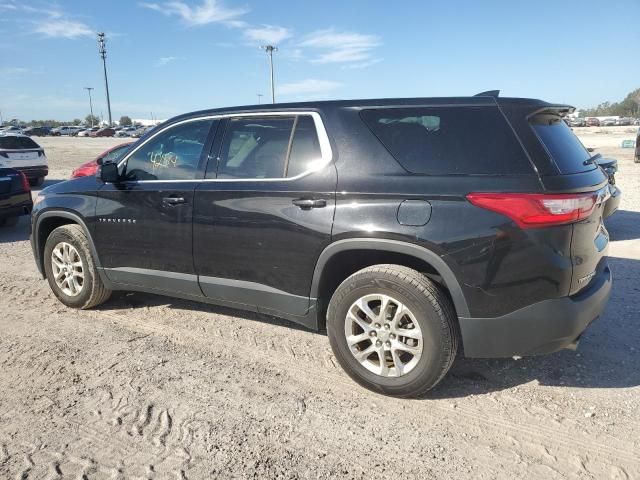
(268, 147)
(449, 140)
(172, 155)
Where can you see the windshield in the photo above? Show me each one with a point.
(565, 148)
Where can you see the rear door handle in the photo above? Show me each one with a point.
(173, 200)
(309, 203)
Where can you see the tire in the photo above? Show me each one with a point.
(92, 291)
(429, 309)
(9, 221)
(36, 182)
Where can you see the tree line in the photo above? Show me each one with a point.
(125, 121)
(629, 107)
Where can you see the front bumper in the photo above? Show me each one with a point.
(543, 327)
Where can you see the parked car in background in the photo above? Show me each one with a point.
(636, 157)
(610, 167)
(23, 154)
(403, 258)
(15, 196)
(103, 132)
(578, 122)
(592, 122)
(140, 132)
(110, 155)
(88, 131)
(624, 121)
(36, 131)
(126, 132)
(608, 122)
(11, 129)
(67, 130)
(636, 121)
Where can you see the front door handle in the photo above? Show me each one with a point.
(309, 203)
(171, 201)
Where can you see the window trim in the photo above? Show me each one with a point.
(326, 152)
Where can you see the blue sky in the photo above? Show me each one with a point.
(172, 56)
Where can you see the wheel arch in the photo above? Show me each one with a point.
(47, 222)
(340, 259)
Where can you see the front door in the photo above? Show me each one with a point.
(144, 222)
(265, 214)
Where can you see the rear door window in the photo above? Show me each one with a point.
(561, 143)
(449, 140)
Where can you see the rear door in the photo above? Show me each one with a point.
(265, 212)
(144, 223)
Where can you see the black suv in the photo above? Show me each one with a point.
(403, 227)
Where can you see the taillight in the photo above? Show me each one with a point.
(85, 170)
(537, 210)
(25, 183)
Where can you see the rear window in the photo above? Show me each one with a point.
(449, 140)
(17, 143)
(563, 146)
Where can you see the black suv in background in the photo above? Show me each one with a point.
(405, 227)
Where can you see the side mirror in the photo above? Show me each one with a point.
(108, 173)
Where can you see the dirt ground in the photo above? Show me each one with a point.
(148, 387)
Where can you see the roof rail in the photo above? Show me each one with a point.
(488, 93)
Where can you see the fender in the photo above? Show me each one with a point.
(76, 219)
(395, 246)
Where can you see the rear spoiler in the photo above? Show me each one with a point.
(488, 93)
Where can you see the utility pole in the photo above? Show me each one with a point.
(88, 89)
(259, 98)
(270, 49)
(103, 55)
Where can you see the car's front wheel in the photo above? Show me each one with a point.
(70, 269)
(393, 330)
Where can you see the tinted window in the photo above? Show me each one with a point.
(565, 148)
(449, 140)
(16, 143)
(255, 147)
(305, 147)
(172, 155)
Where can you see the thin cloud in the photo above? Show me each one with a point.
(330, 46)
(267, 34)
(209, 11)
(308, 87)
(162, 61)
(10, 71)
(55, 26)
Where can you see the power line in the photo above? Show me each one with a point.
(270, 49)
(88, 89)
(103, 54)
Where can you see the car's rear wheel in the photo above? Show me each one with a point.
(393, 330)
(70, 269)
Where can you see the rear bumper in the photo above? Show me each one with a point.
(543, 327)
(34, 172)
(613, 202)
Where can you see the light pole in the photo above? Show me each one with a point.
(103, 55)
(259, 98)
(270, 49)
(88, 89)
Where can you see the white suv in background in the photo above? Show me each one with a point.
(23, 154)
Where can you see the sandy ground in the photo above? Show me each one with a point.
(149, 387)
